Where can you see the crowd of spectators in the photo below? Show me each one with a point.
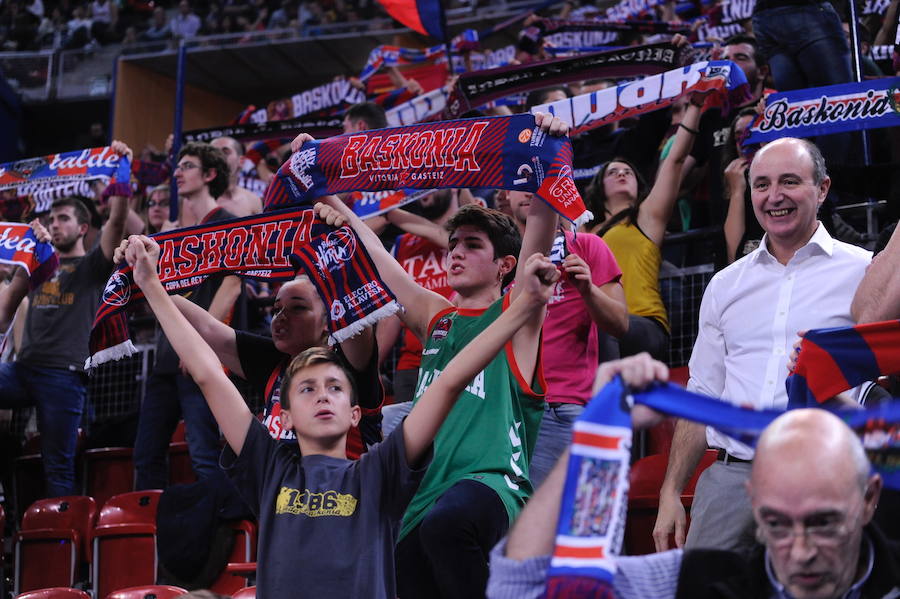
(474, 270)
(36, 25)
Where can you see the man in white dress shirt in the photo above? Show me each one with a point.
(799, 278)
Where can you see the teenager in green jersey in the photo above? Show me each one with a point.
(478, 479)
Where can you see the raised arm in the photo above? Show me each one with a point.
(540, 230)
(419, 304)
(419, 429)
(418, 225)
(534, 531)
(12, 295)
(656, 210)
(218, 335)
(878, 295)
(114, 229)
(605, 303)
(734, 226)
(225, 402)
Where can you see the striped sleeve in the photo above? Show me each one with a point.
(654, 575)
(638, 577)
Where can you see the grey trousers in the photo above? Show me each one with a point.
(721, 517)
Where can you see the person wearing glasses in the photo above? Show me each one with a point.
(799, 278)
(156, 209)
(201, 174)
(812, 495)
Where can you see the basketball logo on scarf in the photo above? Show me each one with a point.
(23, 168)
(117, 291)
(337, 248)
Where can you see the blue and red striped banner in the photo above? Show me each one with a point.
(834, 360)
(20, 247)
(91, 163)
(424, 16)
(272, 246)
(507, 152)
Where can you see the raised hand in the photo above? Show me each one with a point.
(142, 255)
(40, 231)
(330, 215)
(540, 276)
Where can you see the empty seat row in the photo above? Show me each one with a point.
(61, 538)
(143, 592)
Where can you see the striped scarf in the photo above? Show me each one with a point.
(595, 496)
(273, 246)
(479, 87)
(837, 359)
(507, 152)
(831, 109)
(594, 109)
(19, 246)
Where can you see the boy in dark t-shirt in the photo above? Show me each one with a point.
(328, 525)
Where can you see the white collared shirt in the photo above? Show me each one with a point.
(750, 315)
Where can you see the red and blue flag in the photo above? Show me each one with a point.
(423, 16)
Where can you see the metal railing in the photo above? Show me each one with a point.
(681, 290)
(69, 74)
(29, 73)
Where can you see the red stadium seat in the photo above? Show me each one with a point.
(28, 473)
(679, 375)
(54, 593)
(125, 542)
(178, 435)
(659, 438)
(52, 544)
(108, 471)
(243, 553)
(148, 592)
(28, 482)
(646, 478)
(245, 593)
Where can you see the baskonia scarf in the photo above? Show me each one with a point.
(476, 88)
(815, 111)
(274, 246)
(507, 152)
(591, 110)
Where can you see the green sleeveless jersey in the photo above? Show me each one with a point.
(489, 434)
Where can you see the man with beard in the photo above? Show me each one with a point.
(424, 260)
(49, 371)
(236, 199)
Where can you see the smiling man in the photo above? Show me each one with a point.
(799, 278)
